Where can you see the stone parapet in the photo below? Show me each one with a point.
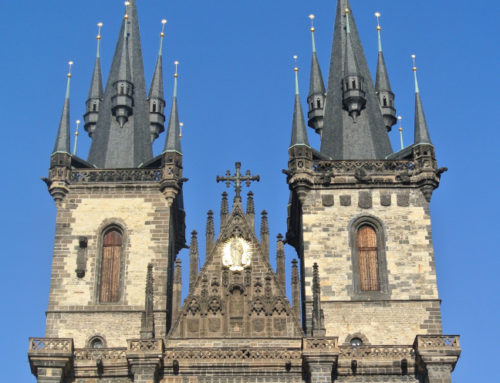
(50, 358)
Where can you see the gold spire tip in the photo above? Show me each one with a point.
(127, 3)
(295, 58)
(181, 125)
(99, 27)
(312, 17)
(77, 126)
(377, 15)
(176, 74)
(70, 64)
(163, 22)
(413, 57)
(346, 10)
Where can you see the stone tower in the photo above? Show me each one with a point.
(361, 213)
(364, 303)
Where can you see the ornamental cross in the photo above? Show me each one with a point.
(238, 179)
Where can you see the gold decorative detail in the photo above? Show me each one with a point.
(237, 254)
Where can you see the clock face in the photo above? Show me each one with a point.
(237, 254)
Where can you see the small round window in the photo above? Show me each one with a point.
(356, 342)
(96, 343)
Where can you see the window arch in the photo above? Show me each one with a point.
(370, 275)
(112, 253)
(368, 258)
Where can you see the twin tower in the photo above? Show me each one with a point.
(364, 305)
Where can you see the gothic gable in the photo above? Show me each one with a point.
(236, 293)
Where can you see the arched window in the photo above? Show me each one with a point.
(112, 252)
(318, 102)
(368, 259)
(96, 342)
(370, 278)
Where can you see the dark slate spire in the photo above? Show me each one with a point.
(421, 130)
(62, 144)
(342, 137)
(299, 133)
(317, 92)
(383, 86)
(173, 140)
(354, 83)
(96, 93)
(156, 99)
(129, 146)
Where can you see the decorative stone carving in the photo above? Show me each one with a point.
(327, 200)
(345, 200)
(365, 200)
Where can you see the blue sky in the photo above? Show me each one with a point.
(236, 99)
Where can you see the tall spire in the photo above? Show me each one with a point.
(173, 140)
(316, 97)
(156, 98)
(343, 137)
(421, 130)
(62, 144)
(299, 133)
(96, 93)
(382, 84)
(116, 143)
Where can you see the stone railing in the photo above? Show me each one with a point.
(94, 354)
(50, 346)
(147, 346)
(327, 345)
(246, 354)
(371, 166)
(115, 175)
(377, 352)
(437, 342)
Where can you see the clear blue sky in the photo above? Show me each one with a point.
(236, 99)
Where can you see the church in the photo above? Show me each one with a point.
(364, 303)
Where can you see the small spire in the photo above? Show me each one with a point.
(354, 95)
(96, 92)
(295, 289)
(177, 289)
(400, 118)
(210, 232)
(147, 327)
(250, 203)
(299, 133)
(75, 146)
(156, 96)
(62, 144)
(224, 210)
(173, 143)
(421, 128)
(125, 17)
(318, 326)
(280, 262)
(193, 259)
(317, 92)
(312, 17)
(264, 233)
(383, 85)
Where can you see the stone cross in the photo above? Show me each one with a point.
(238, 178)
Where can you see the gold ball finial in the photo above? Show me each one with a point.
(70, 64)
(346, 10)
(181, 125)
(176, 74)
(312, 17)
(296, 68)
(377, 15)
(163, 23)
(99, 26)
(413, 57)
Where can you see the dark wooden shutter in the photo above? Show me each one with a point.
(368, 259)
(111, 267)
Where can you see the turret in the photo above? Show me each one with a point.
(60, 160)
(300, 152)
(353, 84)
(172, 154)
(122, 101)
(96, 94)
(317, 94)
(383, 86)
(156, 99)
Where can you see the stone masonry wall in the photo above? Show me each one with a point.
(404, 214)
(74, 309)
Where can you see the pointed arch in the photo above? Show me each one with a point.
(112, 253)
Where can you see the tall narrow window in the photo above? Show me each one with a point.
(111, 266)
(368, 259)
